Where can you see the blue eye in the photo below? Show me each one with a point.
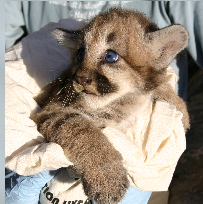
(81, 54)
(111, 56)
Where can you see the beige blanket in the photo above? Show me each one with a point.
(150, 148)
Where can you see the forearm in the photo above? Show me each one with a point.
(82, 142)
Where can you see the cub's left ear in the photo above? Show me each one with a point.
(66, 38)
(166, 44)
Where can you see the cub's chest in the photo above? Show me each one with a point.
(121, 113)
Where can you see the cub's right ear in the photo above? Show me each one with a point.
(66, 38)
(166, 44)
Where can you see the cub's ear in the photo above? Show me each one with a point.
(66, 38)
(166, 44)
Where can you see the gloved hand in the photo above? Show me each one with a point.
(134, 195)
(27, 188)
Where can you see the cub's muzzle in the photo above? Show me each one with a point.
(83, 80)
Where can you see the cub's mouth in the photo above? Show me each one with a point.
(88, 92)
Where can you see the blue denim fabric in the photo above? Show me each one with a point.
(26, 189)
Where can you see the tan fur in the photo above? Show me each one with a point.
(95, 93)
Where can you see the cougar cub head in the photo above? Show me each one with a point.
(119, 52)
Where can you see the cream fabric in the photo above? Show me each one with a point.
(150, 148)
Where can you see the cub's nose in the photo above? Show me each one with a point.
(83, 80)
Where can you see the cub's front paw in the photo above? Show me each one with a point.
(106, 185)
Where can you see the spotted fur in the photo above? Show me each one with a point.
(95, 93)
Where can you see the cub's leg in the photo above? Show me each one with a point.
(102, 173)
(166, 93)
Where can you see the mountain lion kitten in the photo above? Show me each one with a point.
(118, 68)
